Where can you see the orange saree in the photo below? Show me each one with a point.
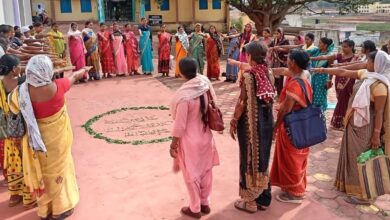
(289, 165)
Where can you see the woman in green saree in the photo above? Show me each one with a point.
(321, 82)
(197, 47)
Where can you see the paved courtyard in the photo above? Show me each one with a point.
(125, 181)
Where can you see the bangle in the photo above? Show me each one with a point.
(376, 130)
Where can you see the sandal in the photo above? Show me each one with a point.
(187, 211)
(287, 198)
(63, 215)
(356, 201)
(15, 200)
(261, 207)
(245, 206)
(205, 209)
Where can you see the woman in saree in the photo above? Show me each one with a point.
(193, 147)
(182, 46)
(132, 50)
(213, 52)
(9, 70)
(197, 47)
(92, 47)
(279, 56)
(289, 164)
(145, 45)
(56, 39)
(47, 160)
(164, 51)
(367, 121)
(233, 53)
(77, 49)
(252, 122)
(246, 38)
(119, 50)
(321, 82)
(105, 50)
(344, 85)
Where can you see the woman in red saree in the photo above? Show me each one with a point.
(164, 51)
(289, 165)
(105, 49)
(77, 49)
(213, 52)
(132, 51)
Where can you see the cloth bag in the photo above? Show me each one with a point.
(307, 126)
(374, 173)
(214, 115)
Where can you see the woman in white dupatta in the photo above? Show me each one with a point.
(193, 147)
(367, 120)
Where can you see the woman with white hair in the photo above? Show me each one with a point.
(48, 164)
(367, 120)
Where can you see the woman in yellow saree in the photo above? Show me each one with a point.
(48, 164)
(9, 72)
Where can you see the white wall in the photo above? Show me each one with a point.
(2, 18)
(8, 12)
(25, 12)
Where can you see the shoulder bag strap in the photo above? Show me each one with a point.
(211, 99)
(303, 87)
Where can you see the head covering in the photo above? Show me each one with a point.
(73, 33)
(24, 29)
(246, 36)
(217, 40)
(190, 90)
(39, 72)
(183, 38)
(361, 103)
(265, 89)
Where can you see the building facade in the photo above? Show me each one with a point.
(15, 12)
(376, 8)
(172, 12)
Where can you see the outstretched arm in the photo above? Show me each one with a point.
(338, 72)
(78, 75)
(324, 57)
(281, 71)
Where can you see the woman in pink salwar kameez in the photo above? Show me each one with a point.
(77, 49)
(119, 51)
(193, 147)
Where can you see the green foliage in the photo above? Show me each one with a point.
(88, 127)
(238, 23)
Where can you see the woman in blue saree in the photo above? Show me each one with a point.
(233, 53)
(145, 45)
(321, 82)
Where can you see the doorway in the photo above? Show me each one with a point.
(119, 10)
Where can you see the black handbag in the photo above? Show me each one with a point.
(15, 125)
(306, 127)
(3, 125)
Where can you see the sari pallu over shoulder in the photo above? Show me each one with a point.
(253, 181)
(50, 175)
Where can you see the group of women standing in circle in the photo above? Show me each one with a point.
(362, 110)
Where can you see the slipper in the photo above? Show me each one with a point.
(187, 211)
(287, 198)
(261, 207)
(63, 215)
(245, 207)
(15, 201)
(205, 209)
(356, 201)
(30, 206)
